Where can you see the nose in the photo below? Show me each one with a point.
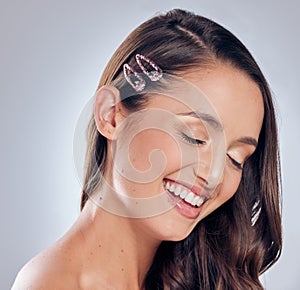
(209, 168)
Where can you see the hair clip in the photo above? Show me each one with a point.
(139, 84)
(153, 75)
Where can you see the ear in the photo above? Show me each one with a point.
(107, 110)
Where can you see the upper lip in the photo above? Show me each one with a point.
(195, 189)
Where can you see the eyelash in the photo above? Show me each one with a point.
(238, 165)
(192, 140)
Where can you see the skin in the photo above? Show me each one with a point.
(85, 257)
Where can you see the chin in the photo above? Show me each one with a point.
(171, 227)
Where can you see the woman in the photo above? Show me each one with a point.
(229, 231)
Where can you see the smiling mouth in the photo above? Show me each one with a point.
(184, 193)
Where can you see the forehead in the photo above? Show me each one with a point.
(236, 98)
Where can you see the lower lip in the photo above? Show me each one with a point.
(183, 207)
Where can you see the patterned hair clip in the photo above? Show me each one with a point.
(139, 84)
(153, 75)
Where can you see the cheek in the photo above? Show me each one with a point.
(153, 149)
(230, 184)
(225, 190)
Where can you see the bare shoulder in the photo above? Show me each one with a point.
(51, 269)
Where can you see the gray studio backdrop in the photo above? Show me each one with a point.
(51, 56)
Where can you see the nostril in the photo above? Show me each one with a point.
(209, 179)
(202, 179)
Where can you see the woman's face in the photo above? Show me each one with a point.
(183, 162)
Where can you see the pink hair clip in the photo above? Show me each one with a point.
(139, 84)
(153, 75)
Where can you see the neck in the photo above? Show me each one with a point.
(115, 250)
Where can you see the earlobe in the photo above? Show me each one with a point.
(106, 107)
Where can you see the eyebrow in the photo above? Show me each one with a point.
(211, 120)
(248, 141)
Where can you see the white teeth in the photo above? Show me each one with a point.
(178, 190)
(172, 188)
(189, 197)
(195, 200)
(168, 185)
(200, 201)
(183, 194)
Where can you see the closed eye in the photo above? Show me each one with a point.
(192, 140)
(235, 163)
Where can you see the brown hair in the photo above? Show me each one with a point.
(232, 246)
